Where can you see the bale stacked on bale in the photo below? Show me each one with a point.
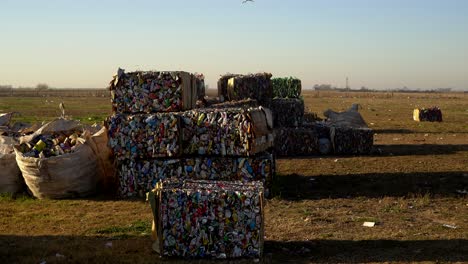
(230, 131)
(432, 114)
(223, 85)
(246, 103)
(137, 177)
(150, 92)
(287, 112)
(255, 86)
(288, 87)
(208, 219)
(145, 136)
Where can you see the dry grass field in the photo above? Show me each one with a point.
(413, 186)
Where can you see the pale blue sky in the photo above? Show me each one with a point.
(378, 44)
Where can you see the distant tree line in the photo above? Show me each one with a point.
(329, 87)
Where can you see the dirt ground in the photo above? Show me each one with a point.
(413, 186)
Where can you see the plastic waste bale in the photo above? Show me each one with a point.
(288, 87)
(287, 112)
(432, 114)
(223, 86)
(349, 140)
(254, 86)
(57, 161)
(208, 219)
(155, 91)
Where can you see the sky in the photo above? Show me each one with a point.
(378, 44)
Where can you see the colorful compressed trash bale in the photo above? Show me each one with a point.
(208, 219)
(287, 112)
(255, 86)
(137, 177)
(223, 84)
(347, 140)
(144, 136)
(291, 141)
(226, 132)
(432, 114)
(288, 87)
(153, 91)
(199, 83)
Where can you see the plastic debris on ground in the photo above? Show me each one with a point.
(288, 87)
(369, 224)
(287, 112)
(254, 86)
(150, 92)
(209, 219)
(432, 114)
(137, 177)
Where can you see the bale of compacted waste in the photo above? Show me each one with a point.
(144, 136)
(288, 87)
(137, 177)
(155, 91)
(287, 112)
(223, 86)
(57, 161)
(349, 140)
(254, 86)
(432, 114)
(10, 174)
(208, 219)
(226, 132)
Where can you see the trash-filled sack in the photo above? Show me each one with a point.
(432, 114)
(57, 161)
(348, 118)
(223, 85)
(226, 132)
(287, 112)
(349, 140)
(154, 91)
(288, 87)
(105, 161)
(137, 177)
(255, 86)
(144, 136)
(208, 219)
(10, 174)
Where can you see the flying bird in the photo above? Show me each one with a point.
(245, 1)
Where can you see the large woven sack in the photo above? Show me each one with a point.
(348, 118)
(105, 166)
(70, 175)
(10, 175)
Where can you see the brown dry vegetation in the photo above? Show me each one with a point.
(408, 186)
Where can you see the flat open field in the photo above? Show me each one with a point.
(414, 186)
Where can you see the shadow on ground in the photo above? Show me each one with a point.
(373, 185)
(81, 249)
(422, 149)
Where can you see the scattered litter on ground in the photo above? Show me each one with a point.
(369, 224)
(450, 226)
(58, 255)
(109, 244)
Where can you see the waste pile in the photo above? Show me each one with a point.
(432, 114)
(49, 145)
(153, 91)
(288, 87)
(208, 219)
(137, 177)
